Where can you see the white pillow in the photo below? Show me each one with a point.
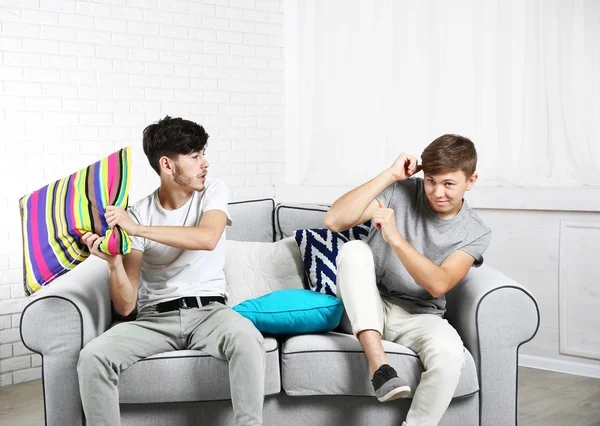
(253, 269)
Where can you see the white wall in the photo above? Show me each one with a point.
(79, 80)
(554, 254)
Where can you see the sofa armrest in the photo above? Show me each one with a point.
(57, 323)
(494, 316)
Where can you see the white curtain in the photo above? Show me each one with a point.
(368, 79)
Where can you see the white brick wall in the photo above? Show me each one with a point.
(79, 80)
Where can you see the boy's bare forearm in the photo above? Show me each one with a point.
(122, 291)
(348, 209)
(427, 274)
(182, 237)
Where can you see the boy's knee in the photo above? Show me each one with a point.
(88, 361)
(453, 366)
(355, 251)
(448, 361)
(455, 358)
(246, 335)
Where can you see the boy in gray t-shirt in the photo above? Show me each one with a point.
(424, 240)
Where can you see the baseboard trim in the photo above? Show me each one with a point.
(559, 366)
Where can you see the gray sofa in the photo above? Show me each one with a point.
(311, 379)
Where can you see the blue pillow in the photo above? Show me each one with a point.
(319, 249)
(296, 311)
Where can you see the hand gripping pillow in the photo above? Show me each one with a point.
(56, 216)
(319, 249)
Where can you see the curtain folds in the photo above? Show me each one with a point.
(368, 79)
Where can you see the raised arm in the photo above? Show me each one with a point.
(205, 236)
(437, 280)
(358, 205)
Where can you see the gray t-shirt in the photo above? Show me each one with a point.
(431, 236)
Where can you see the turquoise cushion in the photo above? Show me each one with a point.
(295, 311)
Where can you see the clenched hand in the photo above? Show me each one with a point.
(93, 242)
(118, 216)
(404, 167)
(384, 219)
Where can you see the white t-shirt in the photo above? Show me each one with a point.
(170, 273)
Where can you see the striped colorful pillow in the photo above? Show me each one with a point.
(56, 216)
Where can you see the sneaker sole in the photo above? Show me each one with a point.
(395, 394)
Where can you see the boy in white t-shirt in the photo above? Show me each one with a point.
(175, 272)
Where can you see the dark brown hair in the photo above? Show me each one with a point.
(170, 137)
(450, 153)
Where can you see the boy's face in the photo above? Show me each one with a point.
(445, 191)
(190, 170)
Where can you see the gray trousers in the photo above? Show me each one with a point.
(214, 329)
(437, 343)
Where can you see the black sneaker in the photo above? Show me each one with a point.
(387, 385)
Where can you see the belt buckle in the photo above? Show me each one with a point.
(183, 303)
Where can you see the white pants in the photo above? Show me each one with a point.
(437, 343)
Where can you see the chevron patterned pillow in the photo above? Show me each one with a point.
(319, 249)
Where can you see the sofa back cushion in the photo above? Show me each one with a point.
(252, 220)
(290, 217)
(259, 220)
(253, 269)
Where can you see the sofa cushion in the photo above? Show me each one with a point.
(253, 269)
(296, 311)
(289, 217)
(319, 249)
(335, 364)
(188, 375)
(252, 220)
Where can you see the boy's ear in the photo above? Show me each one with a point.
(166, 164)
(471, 181)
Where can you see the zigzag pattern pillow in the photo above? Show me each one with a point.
(56, 216)
(319, 249)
